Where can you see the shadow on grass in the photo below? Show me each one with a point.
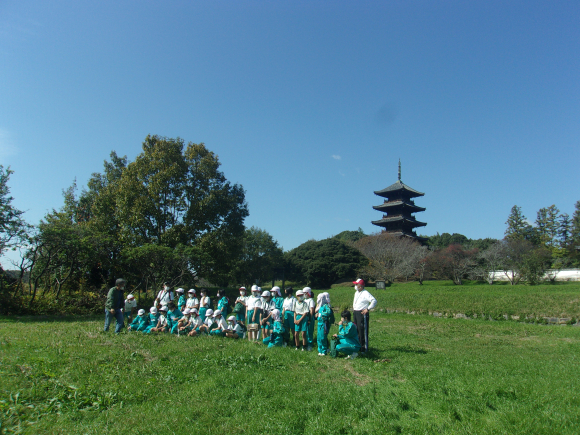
(407, 349)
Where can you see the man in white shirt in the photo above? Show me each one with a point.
(363, 303)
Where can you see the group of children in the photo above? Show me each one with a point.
(263, 315)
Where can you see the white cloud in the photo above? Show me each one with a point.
(342, 173)
(336, 157)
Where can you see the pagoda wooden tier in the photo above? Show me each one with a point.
(398, 208)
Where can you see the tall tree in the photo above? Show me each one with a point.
(564, 229)
(575, 227)
(261, 255)
(516, 224)
(552, 225)
(12, 226)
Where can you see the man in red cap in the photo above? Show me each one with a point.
(363, 302)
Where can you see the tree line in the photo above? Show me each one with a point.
(171, 215)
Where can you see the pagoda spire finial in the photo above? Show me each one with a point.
(399, 170)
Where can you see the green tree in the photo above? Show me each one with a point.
(517, 225)
(575, 225)
(321, 263)
(564, 230)
(350, 236)
(261, 255)
(12, 227)
(169, 215)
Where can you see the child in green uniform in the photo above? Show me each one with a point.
(184, 324)
(311, 307)
(204, 304)
(347, 336)
(267, 305)
(153, 319)
(287, 317)
(129, 308)
(219, 326)
(276, 338)
(140, 323)
(277, 299)
(162, 325)
(196, 324)
(173, 317)
(223, 302)
(240, 306)
(301, 314)
(234, 328)
(181, 302)
(323, 313)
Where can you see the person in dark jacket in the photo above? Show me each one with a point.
(114, 304)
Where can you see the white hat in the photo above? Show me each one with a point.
(217, 313)
(255, 288)
(232, 318)
(130, 297)
(265, 293)
(141, 312)
(276, 314)
(179, 290)
(191, 291)
(299, 293)
(242, 288)
(187, 311)
(323, 298)
(193, 310)
(276, 289)
(209, 312)
(163, 308)
(307, 290)
(153, 310)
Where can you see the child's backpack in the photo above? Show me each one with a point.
(239, 308)
(331, 318)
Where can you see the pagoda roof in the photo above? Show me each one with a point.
(396, 204)
(398, 187)
(387, 220)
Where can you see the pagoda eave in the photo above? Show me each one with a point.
(398, 220)
(399, 204)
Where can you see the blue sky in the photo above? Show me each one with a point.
(308, 104)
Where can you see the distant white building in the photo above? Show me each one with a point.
(562, 275)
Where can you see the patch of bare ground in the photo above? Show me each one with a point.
(358, 378)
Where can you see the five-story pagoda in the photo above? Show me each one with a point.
(398, 208)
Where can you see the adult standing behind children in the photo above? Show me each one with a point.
(363, 303)
(114, 304)
(164, 296)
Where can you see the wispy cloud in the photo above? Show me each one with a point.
(336, 157)
(342, 173)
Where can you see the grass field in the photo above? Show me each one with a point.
(547, 300)
(447, 376)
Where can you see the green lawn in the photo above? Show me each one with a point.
(559, 300)
(444, 376)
